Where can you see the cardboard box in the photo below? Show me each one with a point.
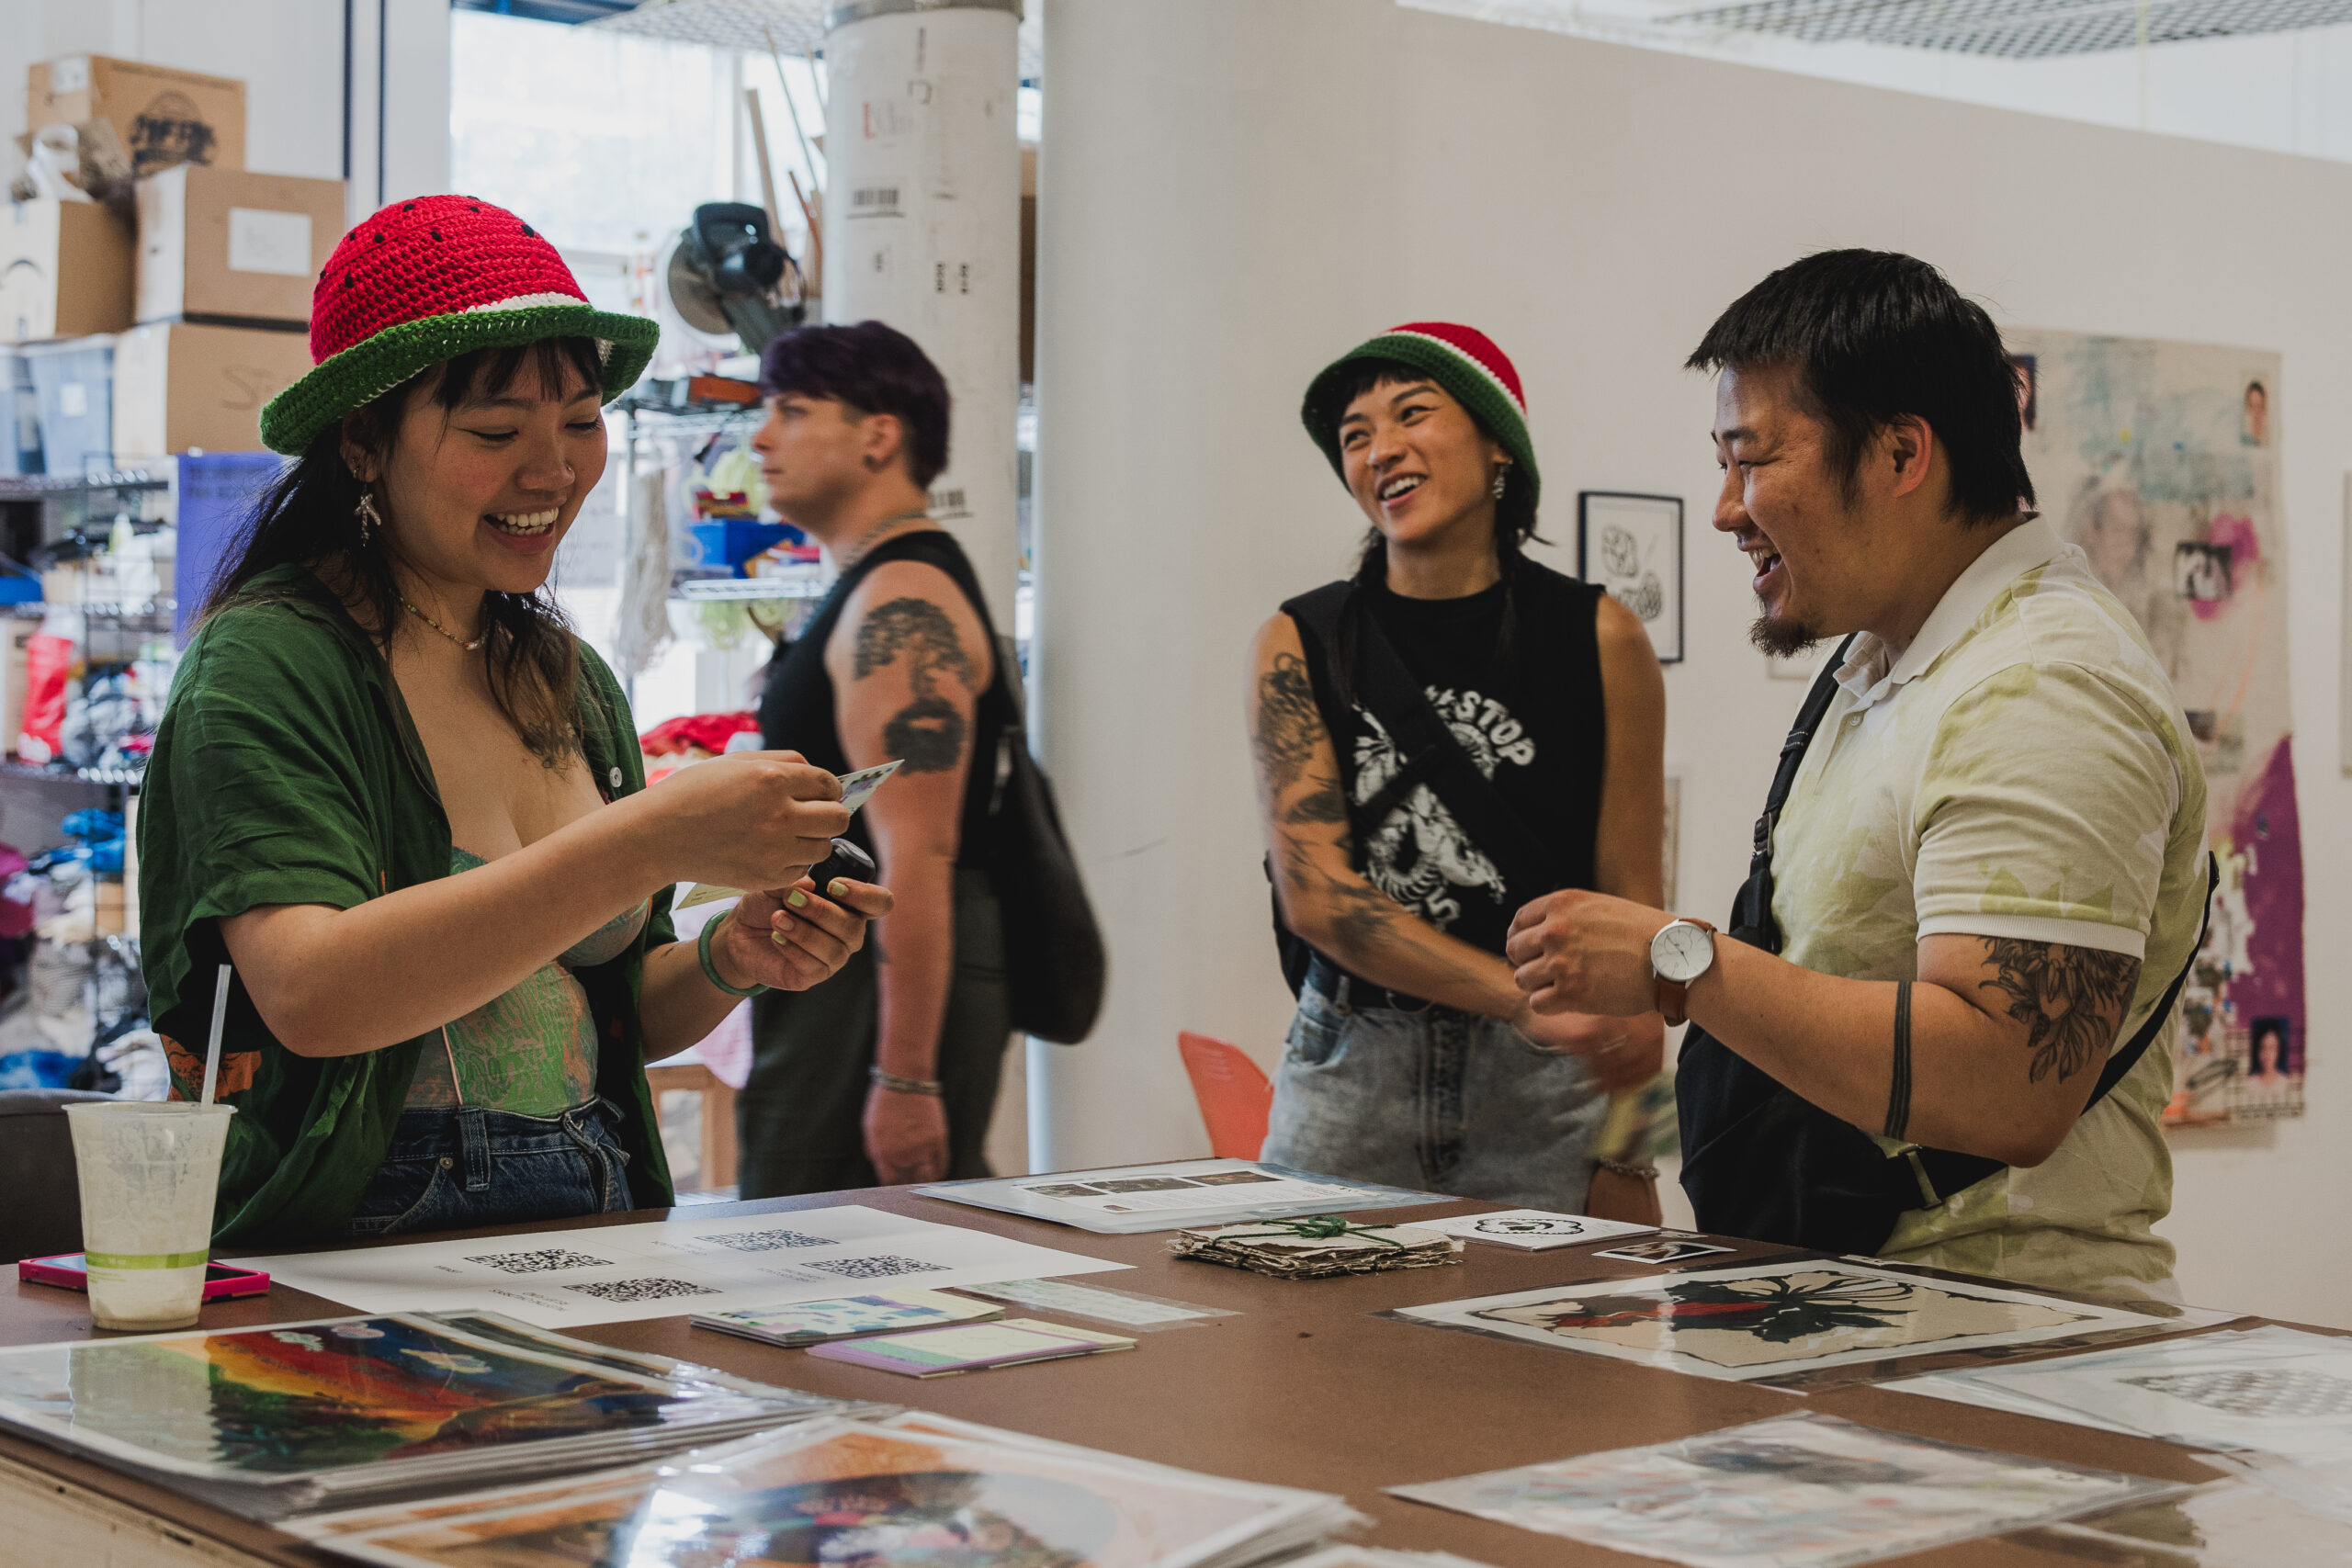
(226, 245)
(162, 117)
(182, 383)
(65, 270)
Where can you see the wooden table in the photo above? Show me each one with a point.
(1306, 1388)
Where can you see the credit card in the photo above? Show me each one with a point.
(857, 789)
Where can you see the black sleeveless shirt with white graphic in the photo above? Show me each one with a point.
(1532, 720)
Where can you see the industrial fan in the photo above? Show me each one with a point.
(727, 273)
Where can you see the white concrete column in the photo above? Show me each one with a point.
(922, 230)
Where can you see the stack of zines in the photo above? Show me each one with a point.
(1315, 1247)
(837, 1490)
(266, 1421)
(847, 1318)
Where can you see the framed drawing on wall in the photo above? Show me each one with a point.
(1631, 546)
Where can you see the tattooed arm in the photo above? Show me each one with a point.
(909, 661)
(1327, 901)
(2007, 1037)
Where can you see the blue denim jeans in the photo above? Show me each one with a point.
(458, 1168)
(1441, 1102)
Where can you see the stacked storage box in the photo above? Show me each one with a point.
(167, 336)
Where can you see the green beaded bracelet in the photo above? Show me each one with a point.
(710, 970)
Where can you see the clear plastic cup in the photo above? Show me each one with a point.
(149, 1174)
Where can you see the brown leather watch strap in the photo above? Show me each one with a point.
(1673, 996)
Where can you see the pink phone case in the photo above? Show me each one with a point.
(67, 1271)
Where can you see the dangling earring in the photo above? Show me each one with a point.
(369, 518)
(1502, 477)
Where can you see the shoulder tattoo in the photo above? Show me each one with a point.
(2072, 1000)
(929, 732)
(1287, 720)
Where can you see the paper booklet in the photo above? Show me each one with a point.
(937, 1352)
(706, 1264)
(846, 1317)
(1534, 1230)
(839, 1491)
(267, 1421)
(1174, 1194)
(2270, 1390)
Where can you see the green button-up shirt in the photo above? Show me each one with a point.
(287, 771)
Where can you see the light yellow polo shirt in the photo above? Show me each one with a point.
(2019, 771)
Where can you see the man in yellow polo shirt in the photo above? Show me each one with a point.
(1988, 870)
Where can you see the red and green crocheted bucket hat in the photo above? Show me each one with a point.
(1463, 360)
(424, 280)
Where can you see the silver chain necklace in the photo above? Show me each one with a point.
(865, 541)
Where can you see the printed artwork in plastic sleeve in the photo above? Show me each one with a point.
(2161, 460)
(841, 1492)
(1773, 1320)
(1804, 1491)
(308, 1399)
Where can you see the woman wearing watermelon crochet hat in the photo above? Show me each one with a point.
(405, 802)
(1448, 734)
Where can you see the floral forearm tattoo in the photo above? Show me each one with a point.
(2072, 1000)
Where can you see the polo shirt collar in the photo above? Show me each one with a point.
(1871, 674)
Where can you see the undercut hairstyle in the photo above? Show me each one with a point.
(309, 517)
(1873, 336)
(867, 368)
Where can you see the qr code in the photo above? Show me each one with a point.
(629, 1292)
(882, 1266)
(544, 1261)
(769, 1241)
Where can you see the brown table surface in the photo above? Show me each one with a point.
(1306, 1388)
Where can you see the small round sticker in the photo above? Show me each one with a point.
(617, 777)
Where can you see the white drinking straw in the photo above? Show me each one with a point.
(219, 1018)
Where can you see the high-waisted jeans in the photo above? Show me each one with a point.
(458, 1168)
(1440, 1101)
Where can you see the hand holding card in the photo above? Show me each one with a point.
(855, 864)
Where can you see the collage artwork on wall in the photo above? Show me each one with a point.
(2161, 462)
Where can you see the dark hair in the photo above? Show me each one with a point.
(1873, 336)
(307, 516)
(871, 368)
(1514, 520)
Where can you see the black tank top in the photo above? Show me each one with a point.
(797, 710)
(1534, 721)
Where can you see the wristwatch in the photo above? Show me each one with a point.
(1679, 953)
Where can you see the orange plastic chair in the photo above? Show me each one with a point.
(1234, 1095)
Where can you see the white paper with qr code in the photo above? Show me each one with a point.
(670, 1268)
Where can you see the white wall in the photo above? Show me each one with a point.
(289, 55)
(1232, 192)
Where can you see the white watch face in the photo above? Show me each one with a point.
(1681, 952)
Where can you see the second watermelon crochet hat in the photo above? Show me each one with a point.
(1463, 360)
(424, 280)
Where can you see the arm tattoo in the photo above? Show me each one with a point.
(929, 732)
(1287, 720)
(1322, 804)
(2072, 1000)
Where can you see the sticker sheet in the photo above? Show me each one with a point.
(1793, 1491)
(670, 1268)
(1768, 1320)
(1174, 1195)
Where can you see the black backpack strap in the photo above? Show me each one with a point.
(1751, 911)
(2120, 1062)
(1433, 756)
(1430, 754)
